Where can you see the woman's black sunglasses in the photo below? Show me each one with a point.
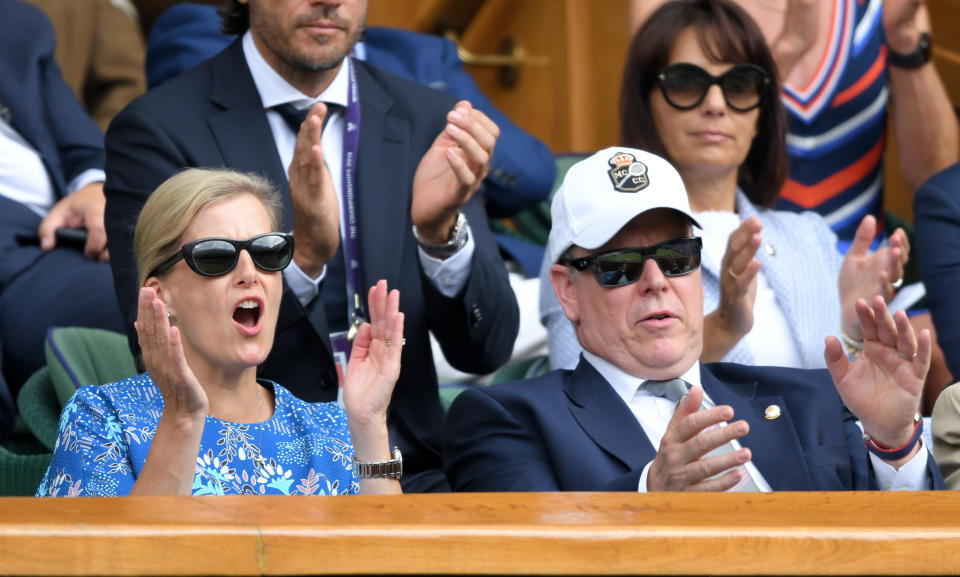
(217, 256)
(684, 85)
(621, 267)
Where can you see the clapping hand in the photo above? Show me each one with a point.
(864, 274)
(451, 171)
(316, 211)
(163, 356)
(372, 372)
(691, 433)
(883, 385)
(738, 279)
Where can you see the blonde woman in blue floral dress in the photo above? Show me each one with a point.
(199, 421)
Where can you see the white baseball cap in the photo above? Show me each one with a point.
(601, 194)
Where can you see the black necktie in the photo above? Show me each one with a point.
(294, 116)
(333, 289)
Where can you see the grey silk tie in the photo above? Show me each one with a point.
(674, 390)
(671, 389)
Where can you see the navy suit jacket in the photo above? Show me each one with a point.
(570, 431)
(936, 217)
(212, 116)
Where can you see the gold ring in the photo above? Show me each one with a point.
(906, 356)
(389, 342)
(732, 274)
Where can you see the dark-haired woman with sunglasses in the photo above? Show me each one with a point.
(199, 421)
(698, 90)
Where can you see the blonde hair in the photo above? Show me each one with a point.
(170, 209)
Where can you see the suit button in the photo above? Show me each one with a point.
(475, 315)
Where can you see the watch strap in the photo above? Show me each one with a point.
(915, 59)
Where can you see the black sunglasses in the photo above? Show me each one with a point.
(217, 256)
(684, 85)
(621, 267)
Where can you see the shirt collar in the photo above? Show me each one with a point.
(275, 90)
(625, 384)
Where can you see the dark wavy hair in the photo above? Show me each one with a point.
(234, 17)
(727, 34)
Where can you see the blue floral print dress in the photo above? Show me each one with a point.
(106, 431)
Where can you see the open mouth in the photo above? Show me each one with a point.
(659, 317)
(247, 313)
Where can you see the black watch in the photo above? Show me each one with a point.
(915, 59)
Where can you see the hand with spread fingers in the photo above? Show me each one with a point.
(883, 385)
(372, 372)
(691, 434)
(316, 210)
(163, 357)
(733, 318)
(451, 171)
(864, 274)
(374, 364)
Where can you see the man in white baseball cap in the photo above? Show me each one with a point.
(640, 412)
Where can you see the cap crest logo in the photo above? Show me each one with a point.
(627, 173)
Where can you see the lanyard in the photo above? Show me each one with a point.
(351, 236)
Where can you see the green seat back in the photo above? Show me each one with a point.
(78, 356)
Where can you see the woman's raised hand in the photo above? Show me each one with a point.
(163, 357)
(373, 370)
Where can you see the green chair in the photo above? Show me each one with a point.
(76, 356)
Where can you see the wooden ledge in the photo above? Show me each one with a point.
(499, 533)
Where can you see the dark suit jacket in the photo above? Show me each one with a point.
(570, 431)
(39, 105)
(936, 217)
(213, 116)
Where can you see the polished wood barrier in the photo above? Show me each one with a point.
(537, 533)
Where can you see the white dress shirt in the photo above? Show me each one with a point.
(654, 414)
(24, 178)
(449, 276)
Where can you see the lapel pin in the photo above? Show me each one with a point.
(770, 250)
(772, 412)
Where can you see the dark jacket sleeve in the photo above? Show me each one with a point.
(936, 213)
(477, 329)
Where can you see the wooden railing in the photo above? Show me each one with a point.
(491, 534)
